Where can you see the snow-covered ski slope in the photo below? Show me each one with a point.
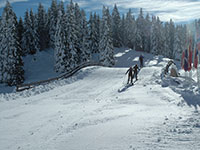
(86, 112)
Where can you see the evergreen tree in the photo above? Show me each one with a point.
(94, 37)
(140, 27)
(20, 31)
(147, 34)
(30, 36)
(34, 45)
(2, 53)
(52, 20)
(42, 30)
(59, 44)
(11, 63)
(106, 44)
(157, 45)
(96, 33)
(91, 32)
(116, 26)
(61, 8)
(179, 41)
(85, 54)
(130, 30)
(19, 71)
(26, 36)
(123, 31)
(166, 51)
(78, 42)
(171, 45)
(183, 36)
(71, 57)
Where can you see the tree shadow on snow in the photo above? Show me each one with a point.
(191, 99)
(186, 87)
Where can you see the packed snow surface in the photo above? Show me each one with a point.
(89, 111)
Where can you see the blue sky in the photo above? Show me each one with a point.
(178, 10)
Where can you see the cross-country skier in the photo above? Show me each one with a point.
(135, 71)
(130, 75)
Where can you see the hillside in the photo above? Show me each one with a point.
(87, 111)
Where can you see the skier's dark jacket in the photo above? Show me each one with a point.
(130, 71)
(136, 69)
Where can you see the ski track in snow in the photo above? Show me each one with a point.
(86, 112)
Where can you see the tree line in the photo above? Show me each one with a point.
(76, 39)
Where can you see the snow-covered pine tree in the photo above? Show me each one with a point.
(78, 19)
(171, 33)
(154, 39)
(147, 34)
(59, 44)
(61, 7)
(26, 36)
(122, 31)
(20, 31)
(157, 45)
(30, 37)
(183, 35)
(71, 57)
(116, 26)
(169, 38)
(178, 48)
(180, 40)
(52, 20)
(140, 27)
(106, 44)
(85, 46)
(34, 45)
(1, 58)
(130, 30)
(94, 33)
(2, 54)
(91, 32)
(42, 30)
(19, 71)
(11, 63)
(166, 51)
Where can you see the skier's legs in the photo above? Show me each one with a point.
(136, 75)
(141, 63)
(131, 79)
(128, 79)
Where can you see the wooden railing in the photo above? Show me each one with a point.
(23, 87)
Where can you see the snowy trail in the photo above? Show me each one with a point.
(90, 113)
